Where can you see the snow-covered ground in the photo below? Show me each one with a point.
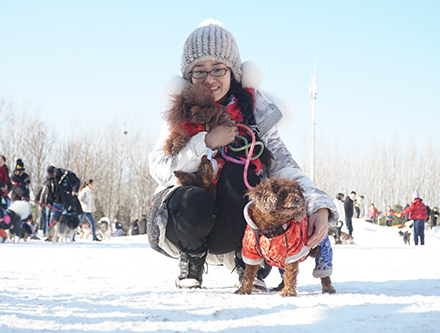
(122, 285)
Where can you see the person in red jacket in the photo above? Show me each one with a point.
(417, 212)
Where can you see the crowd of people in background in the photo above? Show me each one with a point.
(417, 213)
(61, 193)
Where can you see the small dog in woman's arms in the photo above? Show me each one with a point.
(194, 110)
(276, 232)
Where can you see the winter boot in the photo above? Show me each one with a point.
(191, 270)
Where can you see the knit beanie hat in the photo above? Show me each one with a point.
(19, 165)
(211, 42)
(415, 195)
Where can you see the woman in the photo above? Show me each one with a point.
(186, 222)
(5, 183)
(417, 212)
(373, 212)
(85, 197)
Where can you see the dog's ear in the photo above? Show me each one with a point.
(176, 116)
(264, 197)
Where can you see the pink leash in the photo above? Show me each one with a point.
(243, 161)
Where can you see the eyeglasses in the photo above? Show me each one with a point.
(217, 72)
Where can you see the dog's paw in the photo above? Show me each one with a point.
(244, 291)
(278, 288)
(314, 252)
(288, 292)
(328, 290)
(327, 287)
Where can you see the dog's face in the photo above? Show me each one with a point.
(195, 104)
(280, 197)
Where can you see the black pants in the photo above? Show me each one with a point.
(349, 225)
(197, 222)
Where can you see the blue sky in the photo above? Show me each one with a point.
(377, 61)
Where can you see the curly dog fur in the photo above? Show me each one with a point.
(194, 105)
(276, 201)
(202, 178)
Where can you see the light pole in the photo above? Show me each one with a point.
(313, 90)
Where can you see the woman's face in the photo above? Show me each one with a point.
(219, 85)
(2, 161)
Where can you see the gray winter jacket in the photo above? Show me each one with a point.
(267, 115)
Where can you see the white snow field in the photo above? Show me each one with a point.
(122, 285)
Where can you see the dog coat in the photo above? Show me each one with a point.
(277, 251)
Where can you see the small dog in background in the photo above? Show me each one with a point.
(277, 208)
(194, 110)
(347, 239)
(406, 235)
(335, 231)
(65, 228)
(85, 230)
(103, 228)
(11, 218)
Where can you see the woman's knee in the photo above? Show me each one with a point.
(192, 201)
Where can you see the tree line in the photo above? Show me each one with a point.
(115, 157)
(387, 173)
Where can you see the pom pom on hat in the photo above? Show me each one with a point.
(251, 77)
(19, 165)
(415, 195)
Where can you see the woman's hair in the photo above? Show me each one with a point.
(86, 183)
(246, 101)
(340, 196)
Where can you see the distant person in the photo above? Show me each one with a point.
(405, 217)
(119, 229)
(20, 191)
(143, 225)
(373, 213)
(361, 203)
(20, 182)
(339, 203)
(417, 212)
(434, 217)
(357, 207)
(389, 216)
(428, 212)
(66, 190)
(5, 183)
(349, 210)
(87, 201)
(44, 198)
(135, 228)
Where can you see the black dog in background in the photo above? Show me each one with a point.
(335, 231)
(406, 236)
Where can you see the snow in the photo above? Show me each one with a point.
(123, 285)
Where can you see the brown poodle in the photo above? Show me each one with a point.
(203, 178)
(193, 111)
(278, 207)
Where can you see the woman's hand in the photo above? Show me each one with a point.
(318, 227)
(220, 136)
